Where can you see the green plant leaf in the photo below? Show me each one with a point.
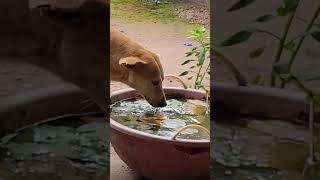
(291, 4)
(290, 46)
(237, 38)
(288, 7)
(201, 56)
(316, 35)
(316, 100)
(240, 4)
(187, 61)
(281, 68)
(257, 52)
(285, 77)
(184, 73)
(265, 18)
(189, 53)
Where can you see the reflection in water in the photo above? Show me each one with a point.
(69, 149)
(139, 115)
(260, 150)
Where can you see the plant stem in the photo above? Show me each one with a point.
(269, 33)
(300, 85)
(204, 73)
(281, 44)
(305, 21)
(300, 36)
(198, 74)
(294, 54)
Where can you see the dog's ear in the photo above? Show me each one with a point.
(131, 62)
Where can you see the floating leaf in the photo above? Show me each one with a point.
(240, 4)
(316, 35)
(184, 73)
(265, 18)
(237, 38)
(187, 61)
(257, 52)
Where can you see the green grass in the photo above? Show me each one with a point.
(141, 10)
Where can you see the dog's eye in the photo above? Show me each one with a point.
(155, 83)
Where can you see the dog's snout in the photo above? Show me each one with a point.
(162, 104)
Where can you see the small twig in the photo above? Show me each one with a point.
(269, 33)
(177, 78)
(305, 21)
(300, 85)
(241, 79)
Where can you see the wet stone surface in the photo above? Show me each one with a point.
(67, 149)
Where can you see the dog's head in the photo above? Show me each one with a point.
(86, 13)
(145, 74)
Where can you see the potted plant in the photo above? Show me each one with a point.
(277, 102)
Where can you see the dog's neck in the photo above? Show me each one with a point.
(120, 47)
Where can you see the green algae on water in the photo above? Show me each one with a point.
(171, 118)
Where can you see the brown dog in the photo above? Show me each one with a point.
(84, 49)
(137, 67)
